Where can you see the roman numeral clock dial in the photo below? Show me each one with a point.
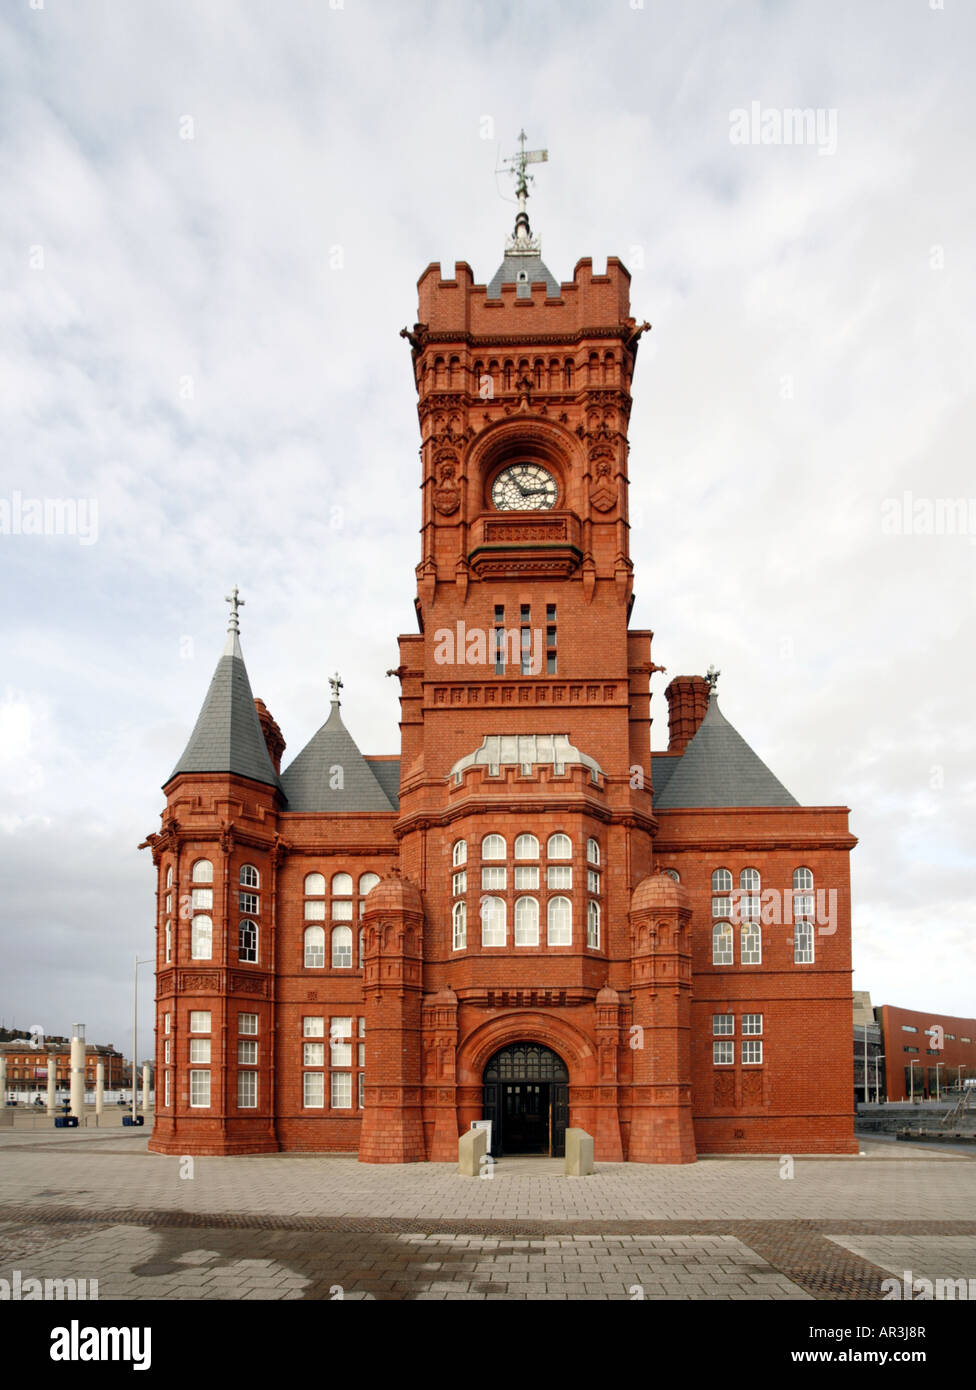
(524, 487)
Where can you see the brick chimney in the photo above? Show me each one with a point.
(273, 738)
(687, 698)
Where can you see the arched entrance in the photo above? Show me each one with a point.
(526, 1096)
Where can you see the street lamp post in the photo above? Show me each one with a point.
(911, 1072)
(878, 1057)
(135, 1025)
(938, 1090)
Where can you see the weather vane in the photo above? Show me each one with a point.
(516, 164)
(712, 675)
(336, 685)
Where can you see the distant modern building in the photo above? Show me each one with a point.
(868, 1052)
(925, 1052)
(27, 1066)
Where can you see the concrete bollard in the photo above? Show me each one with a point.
(145, 1088)
(52, 1082)
(77, 1083)
(579, 1153)
(99, 1087)
(472, 1148)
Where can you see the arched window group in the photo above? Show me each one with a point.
(533, 869)
(744, 908)
(340, 902)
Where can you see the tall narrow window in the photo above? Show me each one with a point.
(721, 893)
(749, 886)
(201, 938)
(314, 948)
(342, 948)
(493, 925)
(249, 876)
(202, 871)
(750, 944)
(247, 948)
(526, 922)
(169, 942)
(550, 639)
(459, 854)
(722, 943)
(460, 926)
(802, 943)
(593, 926)
(498, 639)
(802, 895)
(200, 1090)
(362, 949)
(560, 922)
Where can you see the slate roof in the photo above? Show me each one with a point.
(514, 266)
(662, 766)
(227, 736)
(307, 780)
(718, 768)
(387, 773)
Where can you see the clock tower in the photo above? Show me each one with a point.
(525, 797)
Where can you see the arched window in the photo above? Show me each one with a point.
(315, 885)
(526, 847)
(459, 854)
(526, 922)
(802, 943)
(169, 942)
(342, 948)
(749, 886)
(314, 948)
(202, 871)
(201, 938)
(342, 885)
(559, 847)
(722, 943)
(493, 847)
(592, 851)
(249, 876)
(560, 922)
(366, 883)
(721, 893)
(803, 897)
(247, 943)
(169, 877)
(750, 944)
(593, 926)
(493, 923)
(673, 873)
(460, 926)
(802, 880)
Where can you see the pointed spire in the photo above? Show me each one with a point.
(227, 736)
(523, 265)
(330, 773)
(719, 769)
(523, 241)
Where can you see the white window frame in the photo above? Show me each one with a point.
(311, 884)
(201, 935)
(340, 1090)
(245, 927)
(494, 878)
(200, 1052)
(199, 1086)
(592, 851)
(367, 882)
(313, 1081)
(249, 877)
(562, 907)
(202, 871)
(459, 854)
(490, 848)
(723, 930)
(723, 1053)
(526, 921)
(526, 846)
(750, 943)
(341, 886)
(752, 1052)
(561, 850)
(200, 1027)
(559, 878)
(494, 933)
(244, 1023)
(460, 926)
(318, 933)
(247, 1053)
(593, 925)
(723, 1025)
(247, 1090)
(340, 951)
(752, 1025)
(803, 952)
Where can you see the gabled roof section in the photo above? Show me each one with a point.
(387, 773)
(719, 769)
(227, 736)
(330, 774)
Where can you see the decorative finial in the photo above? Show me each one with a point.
(336, 685)
(712, 675)
(235, 604)
(523, 240)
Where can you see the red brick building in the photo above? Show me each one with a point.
(925, 1054)
(524, 916)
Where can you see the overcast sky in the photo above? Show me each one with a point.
(214, 218)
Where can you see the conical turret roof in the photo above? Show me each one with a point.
(718, 768)
(330, 774)
(227, 736)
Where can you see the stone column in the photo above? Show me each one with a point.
(52, 1082)
(99, 1087)
(145, 1088)
(607, 1142)
(78, 1070)
(440, 1073)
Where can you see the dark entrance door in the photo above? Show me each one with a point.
(526, 1096)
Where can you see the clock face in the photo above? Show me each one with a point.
(524, 487)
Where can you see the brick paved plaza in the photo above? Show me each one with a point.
(96, 1205)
